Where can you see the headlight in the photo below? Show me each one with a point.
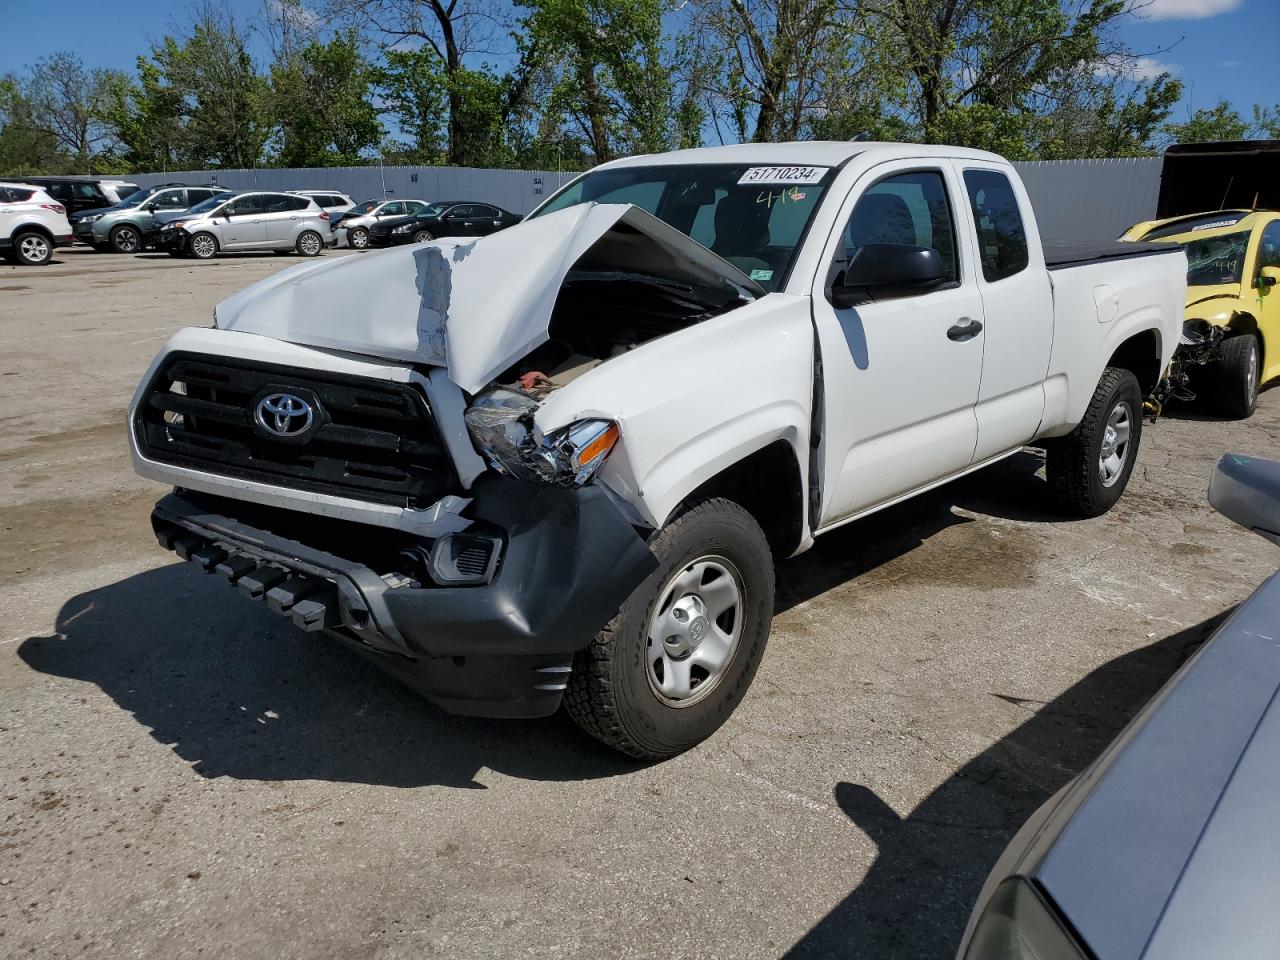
(92, 218)
(177, 224)
(1018, 924)
(403, 228)
(502, 426)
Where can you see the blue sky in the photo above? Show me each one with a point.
(1219, 48)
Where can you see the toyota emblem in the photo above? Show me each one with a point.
(284, 415)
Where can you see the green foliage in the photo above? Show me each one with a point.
(1219, 122)
(563, 84)
(321, 100)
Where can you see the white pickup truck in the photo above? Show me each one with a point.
(558, 463)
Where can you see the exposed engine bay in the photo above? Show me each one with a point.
(1198, 346)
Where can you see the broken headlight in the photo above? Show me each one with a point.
(502, 425)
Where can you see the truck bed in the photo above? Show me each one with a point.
(1060, 254)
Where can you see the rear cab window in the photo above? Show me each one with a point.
(1002, 236)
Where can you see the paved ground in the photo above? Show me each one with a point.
(181, 774)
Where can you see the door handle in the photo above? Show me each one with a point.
(964, 329)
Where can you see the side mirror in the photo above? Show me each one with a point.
(1268, 277)
(887, 269)
(1247, 490)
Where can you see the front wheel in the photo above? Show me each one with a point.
(358, 238)
(1235, 382)
(1090, 467)
(126, 239)
(422, 236)
(309, 243)
(675, 661)
(203, 246)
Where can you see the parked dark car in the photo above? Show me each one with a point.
(82, 193)
(1169, 844)
(445, 218)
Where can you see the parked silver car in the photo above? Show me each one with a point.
(353, 226)
(256, 220)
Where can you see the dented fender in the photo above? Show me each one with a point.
(694, 402)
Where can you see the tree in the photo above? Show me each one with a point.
(321, 97)
(1100, 115)
(452, 30)
(148, 117)
(69, 103)
(413, 91)
(609, 77)
(24, 147)
(1266, 122)
(776, 63)
(1219, 122)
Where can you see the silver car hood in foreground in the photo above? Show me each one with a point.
(473, 305)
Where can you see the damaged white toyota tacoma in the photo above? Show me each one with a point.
(558, 463)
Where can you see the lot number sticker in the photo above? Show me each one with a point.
(783, 175)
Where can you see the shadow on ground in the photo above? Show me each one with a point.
(930, 864)
(238, 692)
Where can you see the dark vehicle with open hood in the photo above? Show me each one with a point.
(1168, 845)
(445, 218)
(556, 464)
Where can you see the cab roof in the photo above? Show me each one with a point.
(825, 153)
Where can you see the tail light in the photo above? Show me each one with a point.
(55, 207)
(324, 214)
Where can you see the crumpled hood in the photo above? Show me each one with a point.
(475, 305)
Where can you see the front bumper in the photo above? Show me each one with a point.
(83, 232)
(389, 239)
(568, 560)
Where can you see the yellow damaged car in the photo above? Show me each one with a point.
(1230, 342)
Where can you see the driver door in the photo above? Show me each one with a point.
(900, 374)
(244, 224)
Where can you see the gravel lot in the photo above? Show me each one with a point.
(182, 774)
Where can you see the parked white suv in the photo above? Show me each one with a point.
(332, 202)
(352, 228)
(250, 221)
(32, 224)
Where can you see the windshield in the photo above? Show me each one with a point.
(1215, 260)
(204, 206)
(434, 210)
(365, 206)
(753, 217)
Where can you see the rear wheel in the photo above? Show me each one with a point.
(1234, 385)
(309, 243)
(203, 246)
(358, 237)
(126, 239)
(32, 248)
(675, 661)
(1089, 468)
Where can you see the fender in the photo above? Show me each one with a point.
(697, 401)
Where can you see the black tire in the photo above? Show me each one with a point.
(358, 238)
(422, 236)
(311, 241)
(196, 247)
(1234, 379)
(31, 248)
(126, 239)
(1074, 463)
(610, 694)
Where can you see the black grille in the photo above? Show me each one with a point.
(374, 440)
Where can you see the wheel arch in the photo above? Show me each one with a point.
(769, 485)
(1141, 354)
(33, 226)
(1245, 322)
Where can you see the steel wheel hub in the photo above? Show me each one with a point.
(1115, 445)
(694, 630)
